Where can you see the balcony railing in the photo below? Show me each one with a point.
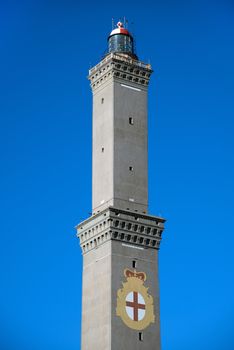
(118, 57)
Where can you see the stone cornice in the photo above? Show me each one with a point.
(126, 226)
(122, 67)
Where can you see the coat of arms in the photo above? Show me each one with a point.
(134, 304)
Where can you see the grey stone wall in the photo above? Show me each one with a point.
(120, 241)
(120, 151)
(124, 337)
(111, 241)
(96, 299)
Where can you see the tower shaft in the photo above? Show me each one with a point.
(120, 154)
(120, 241)
(112, 241)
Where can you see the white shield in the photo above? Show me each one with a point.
(135, 306)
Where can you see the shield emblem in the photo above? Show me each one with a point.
(134, 304)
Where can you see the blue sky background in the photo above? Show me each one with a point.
(47, 48)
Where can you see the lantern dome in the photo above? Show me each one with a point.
(120, 40)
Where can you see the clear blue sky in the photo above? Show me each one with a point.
(47, 48)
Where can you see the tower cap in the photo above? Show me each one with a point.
(120, 30)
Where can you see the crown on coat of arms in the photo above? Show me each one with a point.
(134, 273)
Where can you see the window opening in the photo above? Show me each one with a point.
(131, 122)
(140, 336)
(134, 264)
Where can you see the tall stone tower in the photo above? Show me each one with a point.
(120, 241)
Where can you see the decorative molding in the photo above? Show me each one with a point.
(116, 224)
(120, 66)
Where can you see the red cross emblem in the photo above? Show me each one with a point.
(135, 306)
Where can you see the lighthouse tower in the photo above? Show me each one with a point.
(120, 241)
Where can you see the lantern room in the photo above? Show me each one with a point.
(121, 41)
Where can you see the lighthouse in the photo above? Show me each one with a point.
(121, 239)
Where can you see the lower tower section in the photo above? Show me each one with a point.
(120, 303)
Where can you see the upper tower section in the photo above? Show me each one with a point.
(120, 127)
(121, 41)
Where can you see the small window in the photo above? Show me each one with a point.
(102, 100)
(103, 149)
(134, 264)
(131, 122)
(130, 168)
(140, 336)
